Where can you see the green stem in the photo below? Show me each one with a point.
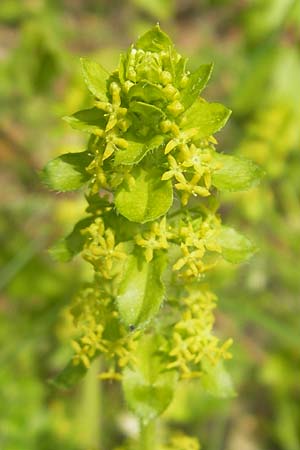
(90, 409)
(147, 439)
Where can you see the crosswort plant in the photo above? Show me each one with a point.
(152, 231)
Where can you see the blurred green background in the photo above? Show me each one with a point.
(255, 46)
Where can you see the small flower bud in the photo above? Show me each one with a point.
(184, 80)
(175, 108)
(165, 78)
(127, 85)
(165, 126)
(170, 91)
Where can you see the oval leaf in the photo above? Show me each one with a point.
(132, 154)
(149, 114)
(65, 249)
(141, 290)
(235, 173)
(154, 40)
(148, 199)
(136, 151)
(89, 120)
(208, 118)
(148, 389)
(67, 172)
(148, 399)
(146, 92)
(235, 247)
(217, 381)
(95, 77)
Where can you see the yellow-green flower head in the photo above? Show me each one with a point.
(152, 58)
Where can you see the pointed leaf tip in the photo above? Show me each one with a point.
(95, 77)
(67, 172)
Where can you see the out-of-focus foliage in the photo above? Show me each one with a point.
(256, 49)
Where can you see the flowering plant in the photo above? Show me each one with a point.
(152, 175)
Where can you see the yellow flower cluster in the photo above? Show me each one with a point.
(116, 118)
(196, 238)
(100, 248)
(99, 331)
(155, 239)
(190, 165)
(192, 338)
(90, 342)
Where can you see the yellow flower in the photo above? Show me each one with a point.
(94, 314)
(192, 259)
(175, 171)
(199, 160)
(113, 143)
(91, 342)
(191, 188)
(100, 248)
(113, 110)
(181, 141)
(154, 239)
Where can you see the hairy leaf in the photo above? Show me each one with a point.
(235, 247)
(146, 200)
(149, 114)
(141, 290)
(154, 40)
(196, 83)
(146, 92)
(65, 249)
(207, 117)
(235, 173)
(136, 151)
(217, 381)
(67, 172)
(95, 77)
(88, 120)
(148, 390)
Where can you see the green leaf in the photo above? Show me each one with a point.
(89, 120)
(217, 381)
(235, 247)
(149, 114)
(65, 249)
(208, 118)
(154, 40)
(146, 200)
(179, 69)
(146, 92)
(141, 290)
(196, 83)
(67, 172)
(136, 151)
(95, 77)
(235, 173)
(132, 155)
(147, 389)
(69, 376)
